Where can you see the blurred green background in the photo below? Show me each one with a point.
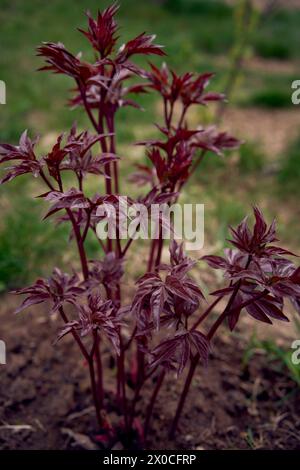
(255, 54)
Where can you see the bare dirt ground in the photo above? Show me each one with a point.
(275, 66)
(274, 129)
(259, 64)
(45, 400)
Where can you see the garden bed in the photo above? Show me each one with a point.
(44, 390)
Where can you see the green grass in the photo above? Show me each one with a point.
(266, 90)
(289, 174)
(270, 98)
(203, 7)
(195, 32)
(37, 100)
(26, 243)
(187, 29)
(228, 212)
(279, 358)
(251, 158)
(192, 30)
(279, 35)
(272, 48)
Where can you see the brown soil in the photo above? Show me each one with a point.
(274, 129)
(45, 397)
(259, 64)
(271, 66)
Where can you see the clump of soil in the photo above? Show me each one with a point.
(45, 400)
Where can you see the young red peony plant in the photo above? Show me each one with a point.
(162, 329)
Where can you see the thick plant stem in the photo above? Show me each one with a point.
(141, 364)
(94, 390)
(75, 335)
(151, 256)
(206, 313)
(46, 180)
(140, 358)
(121, 383)
(79, 239)
(99, 370)
(90, 361)
(152, 402)
(196, 358)
(134, 403)
(183, 113)
(84, 264)
(183, 396)
(159, 249)
(80, 245)
(111, 129)
(104, 144)
(123, 388)
(137, 395)
(87, 107)
(108, 184)
(189, 379)
(140, 354)
(127, 345)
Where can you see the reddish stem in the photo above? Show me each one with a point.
(122, 377)
(159, 249)
(47, 181)
(80, 245)
(151, 257)
(87, 107)
(196, 359)
(89, 359)
(75, 335)
(206, 313)
(94, 390)
(183, 113)
(184, 394)
(152, 402)
(99, 369)
(111, 129)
